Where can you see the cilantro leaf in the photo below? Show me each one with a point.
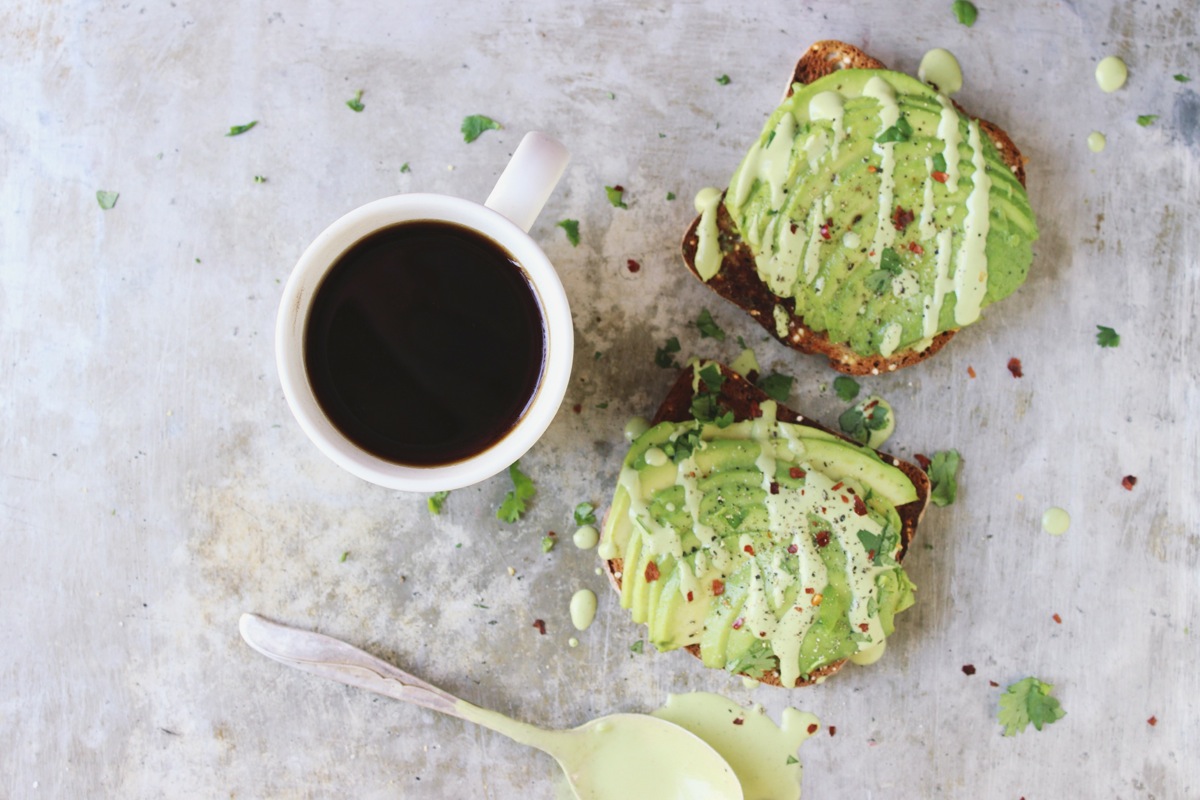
(880, 546)
(889, 261)
(436, 501)
(238, 130)
(777, 386)
(723, 80)
(514, 502)
(107, 199)
(712, 377)
(547, 544)
(965, 12)
(1028, 700)
(900, 132)
(571, 226)
(663, 356)
(616, 196)
(943, 473)
(1107, 337)
(846, 388)
(1182, 78)
(585, 514)
(670, 195)
(939, 162)
(759, 658)
(709, 329)
(1146, 120)
(879, 281)
(355, 103)
(405, 167)
(474, 125)
(637, 646)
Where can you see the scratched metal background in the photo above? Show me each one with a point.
(154, 484)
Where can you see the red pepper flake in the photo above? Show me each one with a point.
(1014, 366)
(812, 728)
(922, 460)
(970, 371)
(1057, 619)
(872, 168)
(651, 574)
(1129, 481)
(797, 473)
(968, 669)
(540, 625)
(870, 555)
(632, 265)
(832, 730)
(795, 227)
(860, 507)
(809, 590)
(793, 548)
(845, 499)
(822, 538)
(902, 218)
(689, 597)
(755, 410)
(1152, 721)
(837, 486)
(993, 684)
(718, 587)
(940, 177)
(749, 549)
(826, 233)
(578, 407)
(739, 721)
(774, 487)
(864, 626)
(738, 623)
(916, 248)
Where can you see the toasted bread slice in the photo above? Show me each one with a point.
(738, 281)
(744, 398)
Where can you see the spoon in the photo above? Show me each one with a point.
(610, 758)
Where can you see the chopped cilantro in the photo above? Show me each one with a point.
(571, 226)
(1028, 700)
(900, 132)
(436, 501)
(723, 80)
(965, 12)
(881, 545)
(943, 473)
(1146, 120)
(889, 261)
(238, 130)
(637, 646)
(759, 658)
(514, 502)
(939, 162)
(107, 199)
(355, 103)
(709, 329)
(712, 377)
(777, 386)
(585, 514)
(879, 281)
(846, 387)
(345, 555)
(670, 195)
(597, 356)
(1107, 337)
(858, 424)
(547, 543)
(1179, 76)
(663, 356)
(616, 196)
(792, 760)
(405, 168)
(474, 126)
(260, 179)
(602, 406)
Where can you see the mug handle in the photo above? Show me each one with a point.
(529, 178)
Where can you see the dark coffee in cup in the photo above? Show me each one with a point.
(425, 343)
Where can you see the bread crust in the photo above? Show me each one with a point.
(738, 281)
(743, 398)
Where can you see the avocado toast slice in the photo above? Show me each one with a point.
(870, 221)
(761, 542)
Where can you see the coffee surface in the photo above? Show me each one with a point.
(425, 343)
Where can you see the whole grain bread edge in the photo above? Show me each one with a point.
(738, 281)
(743, 398)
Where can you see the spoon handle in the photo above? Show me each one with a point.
(338, 661)
(333, 659)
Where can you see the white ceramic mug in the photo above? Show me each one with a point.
(505, 219)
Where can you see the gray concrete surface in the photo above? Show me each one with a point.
(154, 484)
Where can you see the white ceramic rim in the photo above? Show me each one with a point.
(312, 267)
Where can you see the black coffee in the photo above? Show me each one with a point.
(425, 343)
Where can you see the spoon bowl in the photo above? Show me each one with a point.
(611, 758)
